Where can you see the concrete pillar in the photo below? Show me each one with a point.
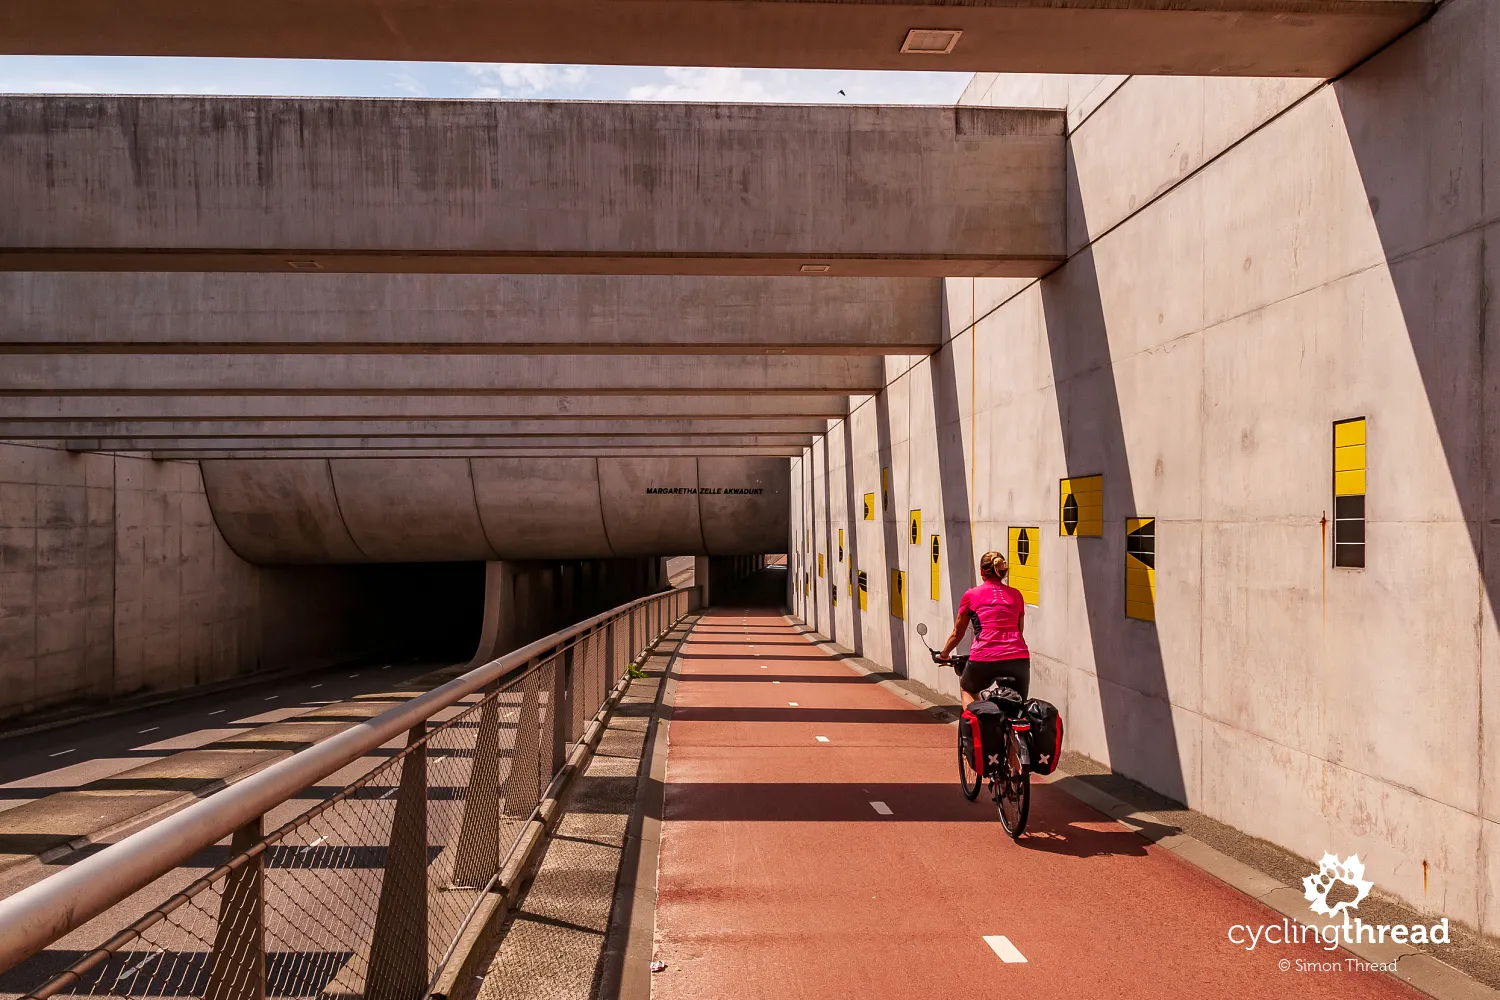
(701, 575)
(498, 632)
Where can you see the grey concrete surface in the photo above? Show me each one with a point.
(1240, 279)
(465, 314)
(408, 408)
(210, 183)
(1197, 37)
(527, 375)
(419, 509)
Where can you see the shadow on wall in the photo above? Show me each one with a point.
(1133, 696)
(851, 569)
(1417, 127)
(891, 532)
(953, 481)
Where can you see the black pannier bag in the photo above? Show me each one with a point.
(983, 724)
(1046, 735)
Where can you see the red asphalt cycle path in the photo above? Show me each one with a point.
(780, 880)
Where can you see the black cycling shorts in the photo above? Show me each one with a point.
(980, 674)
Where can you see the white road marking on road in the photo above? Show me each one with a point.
(881, 808)
(821, 739)
(309, 847)
(128, 973)
(792, 703)
(764, 667)
(217, 711)
(386, 667)
(317, 685)
(775, 682)
(151, 730)
(273, 697)
(389, 794)
(1001, 945)
(352, 676)
(61, 752)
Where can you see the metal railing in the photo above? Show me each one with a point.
(366, 892)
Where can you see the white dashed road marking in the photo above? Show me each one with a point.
(151, 730)
(273, 697)
(61, 752)
(881, 808)
(822, 739)
(792, 703)
(217, 711)
(1002, 947)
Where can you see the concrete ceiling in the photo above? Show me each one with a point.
(1195, 37)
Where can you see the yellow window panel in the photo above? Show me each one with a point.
(1349, 458)
(1349, 432)
(833, 594)
(841, 545)
(885, 487)
(1022, 556)
(869, 506)
(864, 591)
(915, 523)
(898, 594)
(1081, 506)
(1140, 568)
(820, 565)
(1349, 484)
(936, 557)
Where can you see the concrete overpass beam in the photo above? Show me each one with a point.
(466, 313)
(1194, 37)
(341, 408)
(207, 183)
(384, 430)
(526, 375)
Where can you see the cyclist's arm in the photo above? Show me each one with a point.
(960, 626)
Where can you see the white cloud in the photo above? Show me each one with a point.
(46, 87)
(408, 84)
(525, 79)
(689, 83)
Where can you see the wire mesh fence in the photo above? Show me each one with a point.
(366, 892)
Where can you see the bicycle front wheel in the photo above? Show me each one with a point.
(1015, 804)
(1013, 791)
(969, 778)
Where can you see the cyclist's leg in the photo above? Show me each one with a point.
(978, 675)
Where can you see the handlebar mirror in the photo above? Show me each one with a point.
(921, 628)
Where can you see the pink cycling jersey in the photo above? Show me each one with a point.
(995, 611)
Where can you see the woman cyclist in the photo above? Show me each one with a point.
(997, 612)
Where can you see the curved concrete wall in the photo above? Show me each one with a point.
(299, 511)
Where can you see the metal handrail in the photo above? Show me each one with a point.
(38, 915)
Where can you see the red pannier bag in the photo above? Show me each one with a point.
(1046, 735)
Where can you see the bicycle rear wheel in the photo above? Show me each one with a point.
(969, 778)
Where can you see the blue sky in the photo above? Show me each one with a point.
(325, 78)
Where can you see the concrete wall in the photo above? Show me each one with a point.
(1250, 260)
(115, 582)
